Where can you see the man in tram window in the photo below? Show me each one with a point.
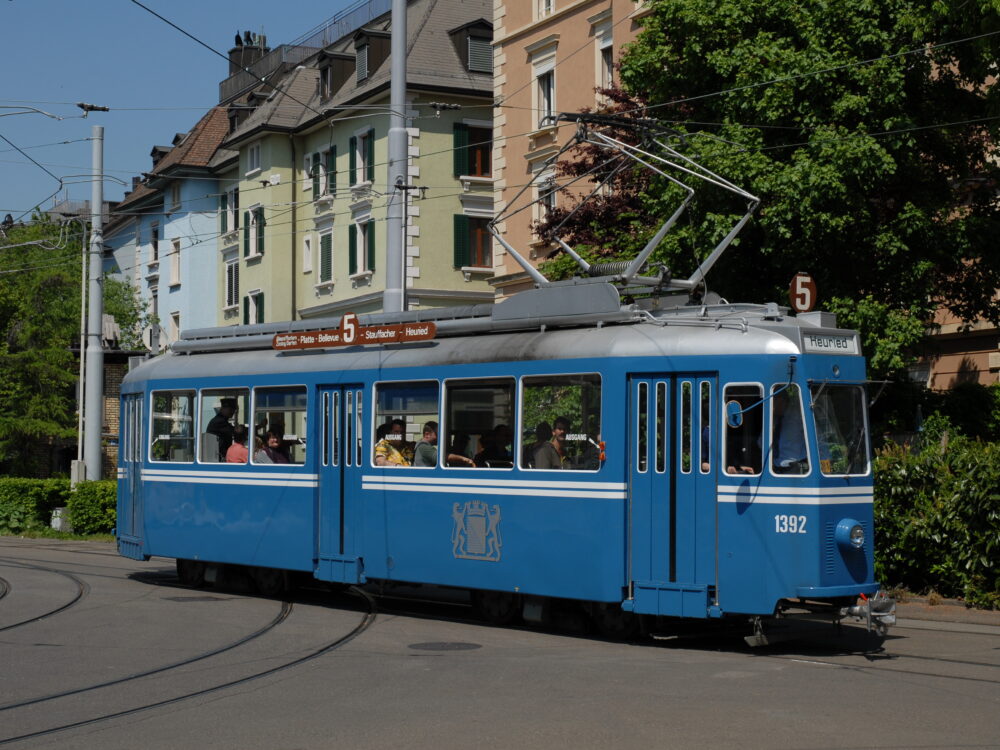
(425, 453)
(743, 451)
(789, 442)
(222, 427)
(392, 448)
(552, 455)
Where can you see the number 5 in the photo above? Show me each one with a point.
(349, 328)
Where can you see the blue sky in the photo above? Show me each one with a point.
(156, 81)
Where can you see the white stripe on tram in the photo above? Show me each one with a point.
(564, 492)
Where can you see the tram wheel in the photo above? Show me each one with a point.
(497, 607)
(268, 581)
(612, 621)
(191, 573)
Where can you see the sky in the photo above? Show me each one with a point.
(156, 81)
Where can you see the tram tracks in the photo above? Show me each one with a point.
(367, 619)
(82, 589)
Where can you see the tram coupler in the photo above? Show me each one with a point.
(877, 612)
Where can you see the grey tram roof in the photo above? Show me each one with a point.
(559, 322)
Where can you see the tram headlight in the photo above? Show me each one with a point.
(850, 534)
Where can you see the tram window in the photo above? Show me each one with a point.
(223, 416)
(705, 430)
(743, 443)
(642, 422)
(172, 435)
(661, 427)
(279, 420)
(687, 415)
(788, 435)
(478, 422)
(406, 419)
(561, 419)
(841, 429)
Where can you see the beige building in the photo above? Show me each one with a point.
(549, 56)
(303, 171)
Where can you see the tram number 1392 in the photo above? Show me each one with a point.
(784, 524)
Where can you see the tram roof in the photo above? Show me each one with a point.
(613, 331)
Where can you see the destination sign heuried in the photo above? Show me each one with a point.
(351, 335)
(830, 343)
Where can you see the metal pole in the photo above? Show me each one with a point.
(393, 298)
(93, 420)
(83, 341)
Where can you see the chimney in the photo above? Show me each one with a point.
(248, 49)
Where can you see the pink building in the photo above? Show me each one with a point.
(549, 56)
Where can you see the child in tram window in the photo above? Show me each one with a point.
(238, 453)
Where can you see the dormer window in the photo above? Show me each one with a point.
(474, 45)
(362, 63)
(325, 82)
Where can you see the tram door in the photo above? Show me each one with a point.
(130, 511)
(338, 500)
(672, 492)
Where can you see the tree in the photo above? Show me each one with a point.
(868, 129)
(39, 328)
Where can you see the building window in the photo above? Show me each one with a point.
(330, 160)
(326, 257)
(307, 254)
(175, 262)
(229, 211)
(545, 7)
(362, 148)
(546, 88)
(232, 283)
(253, 158)
(307, 172)
(473, 151)
(480, 55)
(253, 232)
(154, 242)
(175, 326)
(606, 76)
(326, 82)
(361, 248)
(473, 242)
(362, 63)
(175, 196)
(253, 307)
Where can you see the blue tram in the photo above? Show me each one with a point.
(641, 458)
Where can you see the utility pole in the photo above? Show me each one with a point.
(93, 419)
(394, 296)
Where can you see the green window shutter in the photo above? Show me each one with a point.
(461, 149)
(260, 307)
(246, 311)
(326, 257)
(352, 249)
(315, 175)
(461, 240)
(371, 156)
(353, 146)
(223, 209)
(370, 233)
(331, 170)
(260, 230)
(246, 233)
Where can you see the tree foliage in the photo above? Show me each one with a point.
(40, 270)
(868, 130)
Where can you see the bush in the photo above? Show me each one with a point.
(937, 510)
(93, 507)
(27, 504)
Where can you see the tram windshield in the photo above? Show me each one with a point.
(841, 429)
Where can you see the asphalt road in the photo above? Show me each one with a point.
(97, 651)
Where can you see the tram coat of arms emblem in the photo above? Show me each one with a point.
(476, 535)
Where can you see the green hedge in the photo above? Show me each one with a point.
(27, 504)
(93, 507)
(937, 516)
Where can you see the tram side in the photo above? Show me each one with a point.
(661, 503)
